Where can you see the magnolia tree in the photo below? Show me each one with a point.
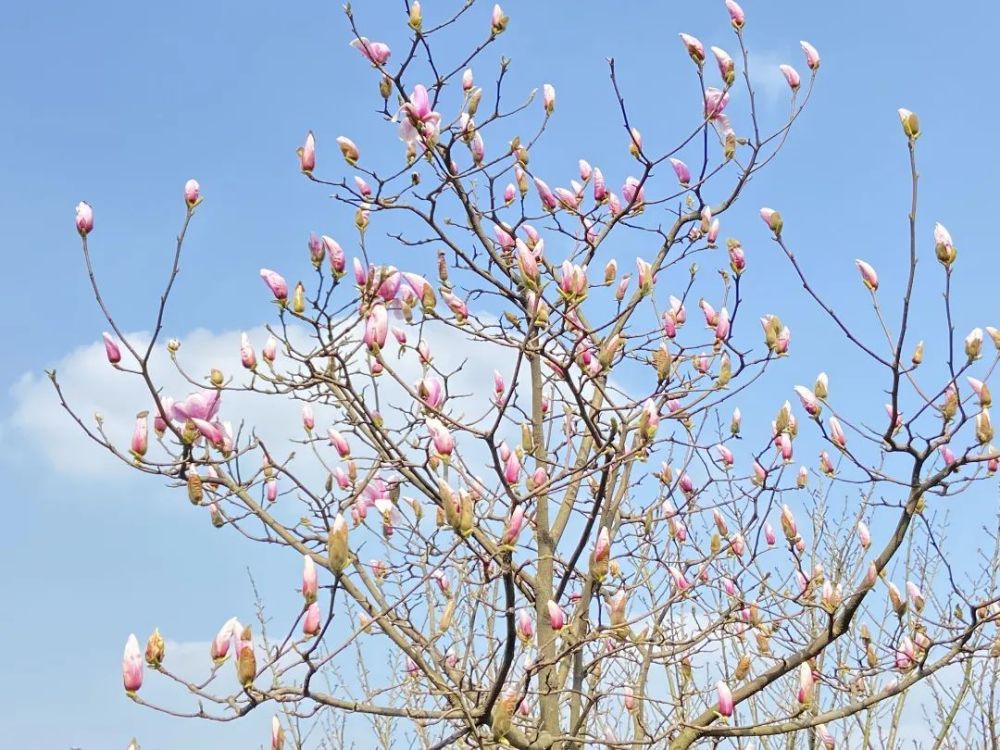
(526, 506)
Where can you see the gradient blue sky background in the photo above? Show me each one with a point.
(119, 103)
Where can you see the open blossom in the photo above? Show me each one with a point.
(418, 120)
(377, 53)
(132, 665)
(715, 102)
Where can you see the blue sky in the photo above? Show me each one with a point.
(119, 103)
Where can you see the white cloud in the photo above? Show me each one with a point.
(39, 427)
(765, 77)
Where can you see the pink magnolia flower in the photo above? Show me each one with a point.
(349, 151)
(916, 596)
(788, 523)
(84, 218)
(546, 195)
(812, 56)
(722, 325)
(634, 193)
(419, 121)
(600, 189)
(311, 623)
(276, 283)
(725, 699)
(132, 665)
(310, 581)
(111, 349)
(681, 583)
(513, 528)
(203, 405)
(339, 442)
(512, 468)
(864, 535)
(837, 433)
(828, 741)
(456, 305)
(376, 327)
(809, 401)
(307, 154)
(431, 392)
(906, 654)
(727, 68)
(524, 625)
(713, 233)
(868, 275)
(791, 76)
(682, 171)
(335, 254)
(715, 102)
(377, 53)
(694, 48)
(467, 80)
(769, 535)
(247, 355)
(444, 443)
(509, 193)
(498, 21)
(738, 545)
(806, 682)
(736, 15)
(277, 734)
(602, 547)
(825, 464)
(192, 193)
(557, 618)
(140, 436)
(223, 639)
(548, 98)
(772, 218)
(725, 454)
